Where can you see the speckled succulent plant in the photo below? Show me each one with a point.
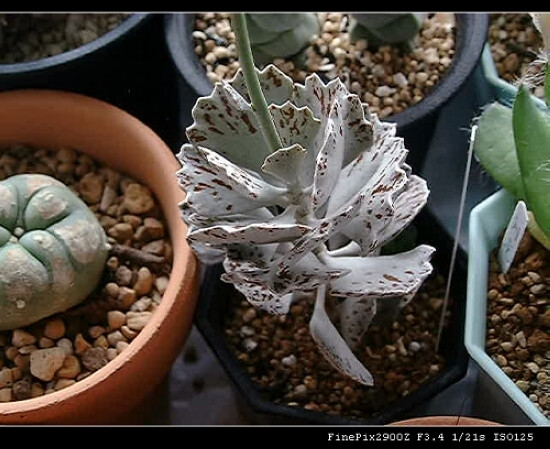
(278, 35)
(271, 217)
(379, 29)
(296, 188)
(52, 249)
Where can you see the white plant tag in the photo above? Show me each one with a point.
(512, 236)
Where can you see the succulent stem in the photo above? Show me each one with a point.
(257, 98)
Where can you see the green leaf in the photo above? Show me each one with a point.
(495, 148)
(537, 232)
(386, 28)
(259, 35)
(290, 42)
(532, 137)
(547, 83)
(276, 23)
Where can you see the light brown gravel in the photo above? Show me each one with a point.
(281, 357)
(515, 43)
(518, 335)
(387, 80)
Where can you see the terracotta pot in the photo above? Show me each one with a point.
(445, 421)
(56, 119)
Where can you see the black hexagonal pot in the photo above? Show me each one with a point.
(416, 123)
(214, 302)
(128, 67)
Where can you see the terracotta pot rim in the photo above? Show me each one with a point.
(445, 420)
(184, 263)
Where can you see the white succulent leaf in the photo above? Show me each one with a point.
(263, 299)
(333, 346)
(207, 254)
(328, 168)
(408, 204)
(305, 276)
(250, 231)
(224, 122)
(285, 164)
(355, 316)
(224, 188)
(296, 126)
(350, 249)
(276, 86)
(381, 276)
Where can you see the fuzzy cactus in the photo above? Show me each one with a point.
(272, 217)
(379, 29)
(280, 35)
(52, 249)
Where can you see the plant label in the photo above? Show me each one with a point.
(512, 236)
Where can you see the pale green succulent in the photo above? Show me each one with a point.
(52, 249)
(386, 29)
(513, 145)
(271, 217)
(280, 35)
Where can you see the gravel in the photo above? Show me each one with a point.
(281, 357)
(515, 43)
(518, 337)
(388, 80)
(29, 37)
(58, 351)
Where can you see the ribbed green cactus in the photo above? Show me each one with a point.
(52, 249)
(380, 29)
(280, 35)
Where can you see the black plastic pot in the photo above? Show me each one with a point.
(128, 67)
(415, 124)
(214, 303)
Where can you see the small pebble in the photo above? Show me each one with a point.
(144, 282)
(45, 362)
(54, 329)
(63, 383)
(114, 337)
(289, 360)
(137, 320)
(91, 188)
(121, 346)
(116, 319)
(70, 369)
(123, 276)
(138, 199)
(22, 338)
(5, 395)
(94, 358)
(81, 345)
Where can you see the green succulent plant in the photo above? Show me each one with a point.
(380, 29)
(52, 249)
(280, 35)
(513, 145)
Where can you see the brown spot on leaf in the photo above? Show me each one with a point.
(223, 184)
(214, 130)
(246, 119)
